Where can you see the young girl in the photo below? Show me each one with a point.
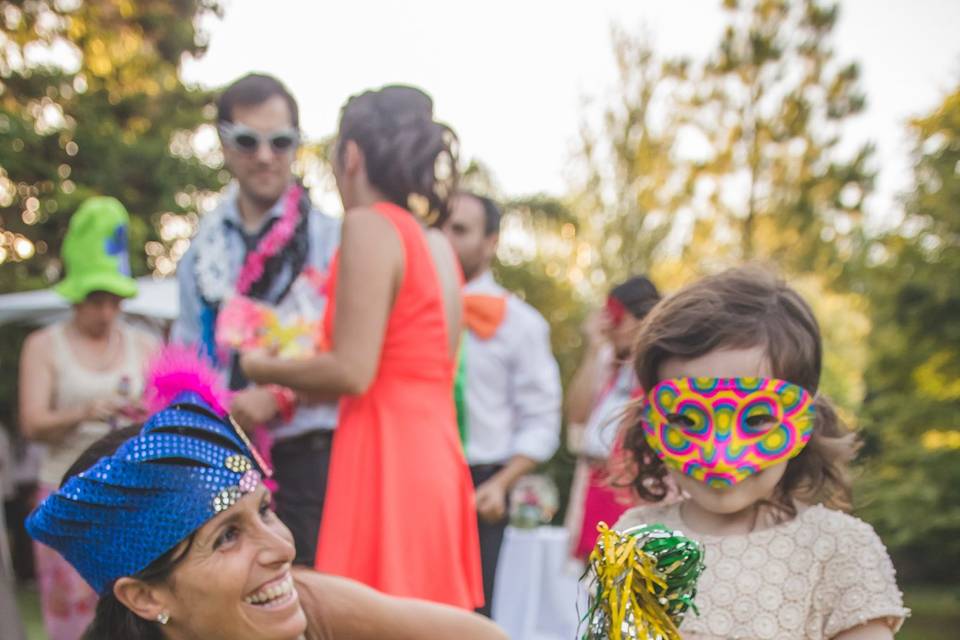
(731, 366)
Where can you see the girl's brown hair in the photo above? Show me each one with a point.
(739, 309)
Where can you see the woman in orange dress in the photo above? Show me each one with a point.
(400, 514)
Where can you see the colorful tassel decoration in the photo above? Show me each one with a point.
(644, 582)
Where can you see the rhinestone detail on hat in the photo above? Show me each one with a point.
(226, 498)
(238, 464)
(250, 481)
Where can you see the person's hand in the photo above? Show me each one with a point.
(253, 406)
(597, 327)
(134, 411)
(491, 501)
(103, 409)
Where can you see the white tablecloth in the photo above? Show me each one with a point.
(536, 595)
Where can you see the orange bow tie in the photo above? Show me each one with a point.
(483, 314)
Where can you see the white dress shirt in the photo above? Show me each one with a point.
(513, 385)
(609, 412)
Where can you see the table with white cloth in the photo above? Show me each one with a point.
(536, 596)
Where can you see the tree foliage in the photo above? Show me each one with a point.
(91, 103)
(770, 104)
(912, 472)
(732, 158)
(631, 186)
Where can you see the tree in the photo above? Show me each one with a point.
(91, 103)
(768, 109)
(911, 409)
(706, 164)
(631, 186)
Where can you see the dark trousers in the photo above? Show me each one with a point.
(300, 466)
(491, 537)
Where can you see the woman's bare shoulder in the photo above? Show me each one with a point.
(332, 592)
(365, 217)
(369, 233)
(39, 342)
(336, 607)
(341, 608)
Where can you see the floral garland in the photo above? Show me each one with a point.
(212, 266)
(271, 244)
(213, 272)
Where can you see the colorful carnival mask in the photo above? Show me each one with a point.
(720, 431)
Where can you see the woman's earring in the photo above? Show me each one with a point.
(163, 617)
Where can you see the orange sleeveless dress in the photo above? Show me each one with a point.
(400, 513)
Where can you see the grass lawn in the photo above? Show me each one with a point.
(29, 603)
(936, 613)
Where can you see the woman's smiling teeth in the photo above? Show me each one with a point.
(273, 593)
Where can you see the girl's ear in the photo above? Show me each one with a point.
(147, 601)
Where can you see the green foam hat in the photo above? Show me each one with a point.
(95, 252)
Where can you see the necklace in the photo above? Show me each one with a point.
(271, 244)
(213, 259)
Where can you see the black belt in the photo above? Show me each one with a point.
(316, 440)
(486, 468)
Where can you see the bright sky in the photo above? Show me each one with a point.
(511, 76)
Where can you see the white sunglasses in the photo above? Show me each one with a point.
(249, 140)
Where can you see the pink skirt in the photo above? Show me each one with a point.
(602, 503)
(67, 601)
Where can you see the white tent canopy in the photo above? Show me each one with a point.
(157, 300)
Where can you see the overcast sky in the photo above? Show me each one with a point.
(512, 76)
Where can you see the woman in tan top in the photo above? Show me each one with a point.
(78, 380)
(730, 366)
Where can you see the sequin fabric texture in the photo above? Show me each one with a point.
(820, 574)
(186, 465)
(722, 430)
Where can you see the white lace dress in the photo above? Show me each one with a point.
(820, 574)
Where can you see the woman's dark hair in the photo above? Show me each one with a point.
(739, 309)
(410, 157)
(114, 621)
(253, 89)
(638, 294)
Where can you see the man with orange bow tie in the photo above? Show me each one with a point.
(512, 380)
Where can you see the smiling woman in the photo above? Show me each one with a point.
(172, 527)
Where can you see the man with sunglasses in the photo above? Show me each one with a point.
(265, 241)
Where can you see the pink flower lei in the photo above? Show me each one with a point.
(272, 243)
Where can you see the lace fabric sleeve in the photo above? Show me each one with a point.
(859, 582)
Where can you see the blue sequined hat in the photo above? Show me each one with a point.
(186, 465)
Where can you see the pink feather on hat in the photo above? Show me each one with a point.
(177, 368)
